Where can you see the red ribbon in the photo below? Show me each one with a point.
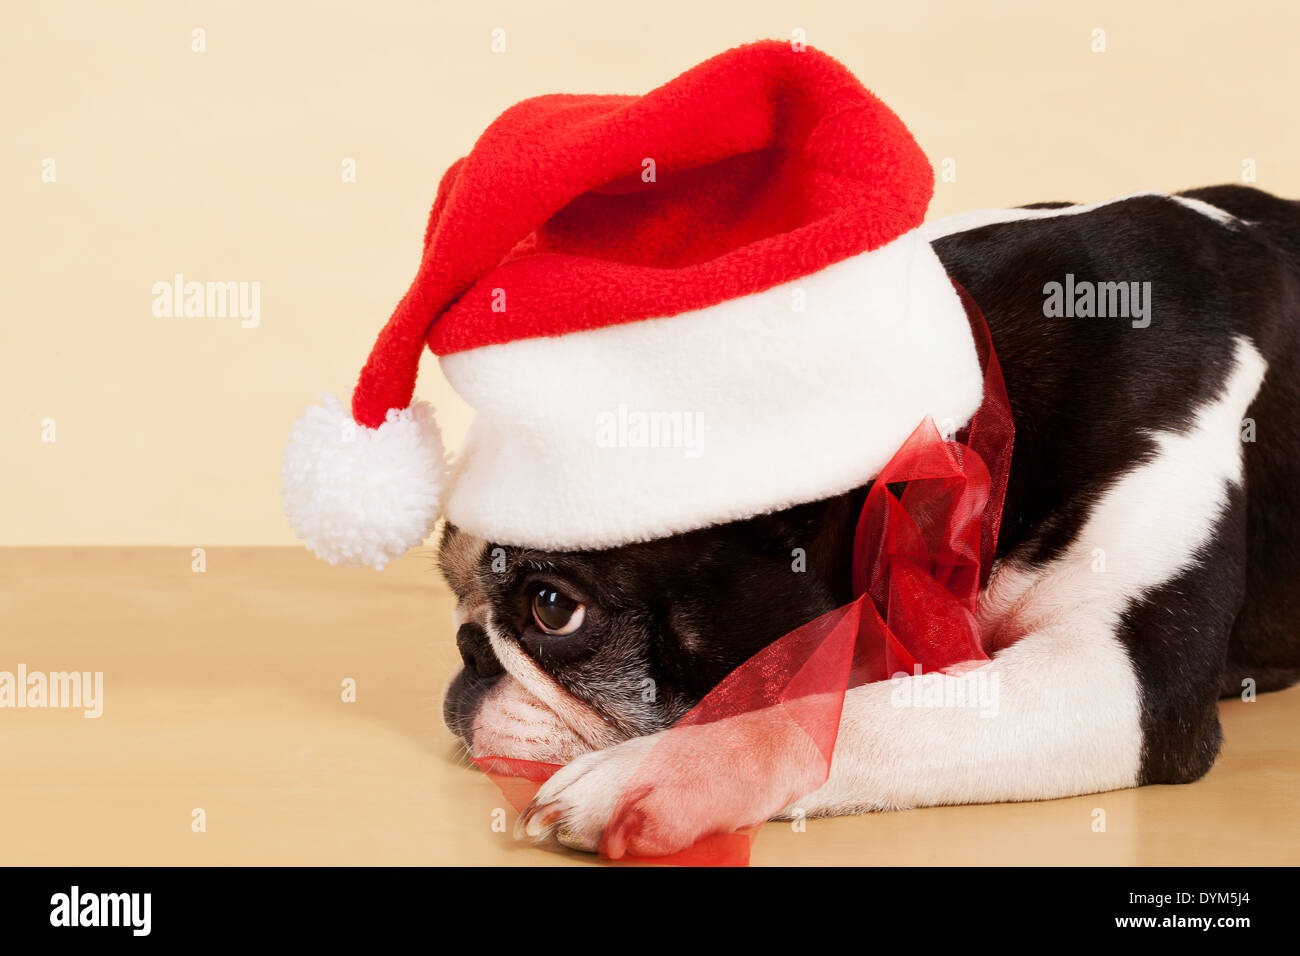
(922, 551)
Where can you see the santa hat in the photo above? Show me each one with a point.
(668, 311)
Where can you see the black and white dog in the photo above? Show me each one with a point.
(1147, 562)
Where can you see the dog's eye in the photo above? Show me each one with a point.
(557, 613)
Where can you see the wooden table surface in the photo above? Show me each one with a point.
(223, 692)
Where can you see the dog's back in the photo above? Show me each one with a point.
(1223, 262)
(1265, 645)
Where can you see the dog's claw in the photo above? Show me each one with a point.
(536, 822)
(521, 822)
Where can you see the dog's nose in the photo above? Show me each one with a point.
(476, 651)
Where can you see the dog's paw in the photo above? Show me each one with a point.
(704, 779)
(576, 803)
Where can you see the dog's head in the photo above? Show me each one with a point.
(570, 651)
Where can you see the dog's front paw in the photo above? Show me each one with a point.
(672, 788)
(577, 802)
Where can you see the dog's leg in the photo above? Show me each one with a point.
(1058, 713)
(1088, 701)
(1091, 699)
(1110, 663)
(1113, 652)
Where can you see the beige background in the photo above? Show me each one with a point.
(222, 688)
(222, 693)
(226, 165)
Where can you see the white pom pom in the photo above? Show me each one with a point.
(362, 496)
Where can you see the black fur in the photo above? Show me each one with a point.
(682, 612)
(668, 619)
(1085, 392)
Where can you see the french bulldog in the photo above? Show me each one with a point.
(1146, 564)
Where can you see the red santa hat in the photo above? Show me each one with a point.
(668, 311)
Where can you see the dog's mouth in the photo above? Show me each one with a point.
(510, 721)
(501, 703)
(567, 652)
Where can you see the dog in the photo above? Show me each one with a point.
(1146, 563)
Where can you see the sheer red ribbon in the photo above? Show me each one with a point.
(922, 551)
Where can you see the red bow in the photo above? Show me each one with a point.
(922, 551)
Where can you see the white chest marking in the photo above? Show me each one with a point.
(1067, 711)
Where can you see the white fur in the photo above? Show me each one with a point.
(1068, 714)
(511, 721)
(794, 406)
(1205, 209)
(527, 715)
(1066, 719)
(975, 218)
(362, 496)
